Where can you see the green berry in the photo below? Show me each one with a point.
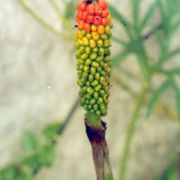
(100, 100)
(95, 64)
(88, 50)
(84, 56)
(100, 43)
(93, 70)
(91, 77)
(96, 95)
(87, 62)
(97, 76)
(101, 52)
(94, 83)
(93, 56)
(95, 50)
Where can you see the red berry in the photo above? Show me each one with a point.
(79, 15)
(105, 22)
(87, 27)
(105, 13)
(98, 10)
(90, 9)
(97, 20)
(103, 4)
(90, 19)
(82, 6)
(84, 16)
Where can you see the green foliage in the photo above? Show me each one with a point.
(69, 10)
(177, 99)
(30, 141)
(171, 172)
(149, 14)
(157, 94)
(52, 131)
(39, 152)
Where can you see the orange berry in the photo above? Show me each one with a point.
(105, 13)
(80, 24)
(105, 22)
(87, 27)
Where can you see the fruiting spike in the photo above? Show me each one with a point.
(93, 55)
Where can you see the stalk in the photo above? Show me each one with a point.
(130, 133)
(96, 136)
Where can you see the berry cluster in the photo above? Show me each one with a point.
(93, 57)
(92, 13)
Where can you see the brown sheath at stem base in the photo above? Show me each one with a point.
(100, 151)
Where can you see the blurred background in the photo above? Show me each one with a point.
(42, 131)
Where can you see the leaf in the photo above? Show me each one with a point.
(30, 141)
(46, 155)
(31, 163)
(9, 173)
(174, 53)
(121, 19)
(177, 100)
(116, 14)
(118, 58)
(149, 14)
(51, 131)
(175, 71)
(156, 95)
(69, 10)
(135, 11)
(118, 40)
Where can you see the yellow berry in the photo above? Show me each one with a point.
(95, 36)
(93, 28)
(88, 35)
(85, 41)
(92, 43)
(101, 29)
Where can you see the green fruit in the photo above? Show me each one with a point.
(93, 56)
(96, 95)
(94, 83)
(100, 43)
(95, 64)
(95, 50)
(94, 69)
(91, 77)
(84, 56)
(101, 52)
(100, 100)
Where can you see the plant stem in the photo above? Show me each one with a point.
(54, 5)
(130, 133)
(41, 21)
(96, 136)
